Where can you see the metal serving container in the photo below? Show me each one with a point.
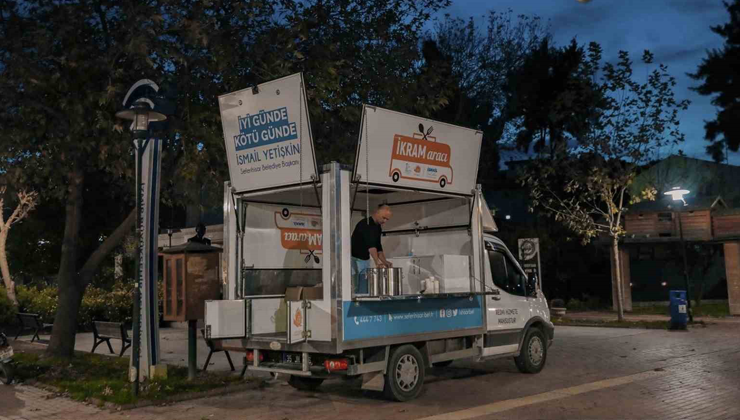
(384, 281)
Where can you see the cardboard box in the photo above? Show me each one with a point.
(300, 293)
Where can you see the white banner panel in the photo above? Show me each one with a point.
(403, 150)
(268, 135)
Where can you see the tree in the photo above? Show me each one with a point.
(553, 94)
(480, 59)
(63, 81)
(27, 201)
(351, 52)
(720, 76)
(587, 189)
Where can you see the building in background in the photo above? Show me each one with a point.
(709, 226)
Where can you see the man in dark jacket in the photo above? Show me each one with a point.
(366, 244)
(199, 237)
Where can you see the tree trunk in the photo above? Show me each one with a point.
(4, 269)
(618, 278)
(70, 291)
(72, 283)
(111, 242)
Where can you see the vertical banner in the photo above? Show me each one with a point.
(529, 257)
(151, 157)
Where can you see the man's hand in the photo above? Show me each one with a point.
(380, 264)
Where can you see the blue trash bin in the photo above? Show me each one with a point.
(679, 312)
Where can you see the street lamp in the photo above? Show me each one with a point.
(677, 194)
(141, 114)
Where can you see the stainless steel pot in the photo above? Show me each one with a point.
(384, 281)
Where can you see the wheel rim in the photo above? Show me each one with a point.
(407, 372)
(536, 350)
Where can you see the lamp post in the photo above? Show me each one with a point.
(141, 114)
(677, 194)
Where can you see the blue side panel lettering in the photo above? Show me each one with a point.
(376, 319)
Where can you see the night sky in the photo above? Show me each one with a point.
(676, 31)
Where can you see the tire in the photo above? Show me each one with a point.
(396, 176)
(305, 384)
(443, 364)
(442, 182)
(6, 373)
(533, 354)
(405, 377)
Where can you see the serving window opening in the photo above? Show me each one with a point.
(428, 237)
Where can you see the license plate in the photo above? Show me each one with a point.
(6, 353)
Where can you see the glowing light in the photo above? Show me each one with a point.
(677, 194)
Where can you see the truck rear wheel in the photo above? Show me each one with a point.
(533, 354)
(305, 384)
(405, 377)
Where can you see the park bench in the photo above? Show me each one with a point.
(32, 322)
(216, 346)
(105, 331)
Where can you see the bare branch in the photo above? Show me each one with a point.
(26, 203)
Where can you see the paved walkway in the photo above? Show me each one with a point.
(591, 373)
(612, 316)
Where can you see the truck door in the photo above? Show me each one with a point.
(509, 309)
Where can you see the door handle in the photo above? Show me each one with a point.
(495, 298)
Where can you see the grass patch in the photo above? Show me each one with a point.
(105, 378)
(715, 310)
(653, 325)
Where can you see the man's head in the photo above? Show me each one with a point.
(382, 214)
(200, 230)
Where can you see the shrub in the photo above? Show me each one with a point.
(557, 303)
(7, 309)
(585, 303)
(38, 300)
(98, 304)
(576, 305)
(120, 300)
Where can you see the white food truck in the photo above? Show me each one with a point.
(290, 299)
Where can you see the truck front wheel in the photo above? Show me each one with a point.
(405, 376)
(533, 354)
(305, 384)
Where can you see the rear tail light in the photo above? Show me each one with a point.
(336, 364)
(250, 356)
